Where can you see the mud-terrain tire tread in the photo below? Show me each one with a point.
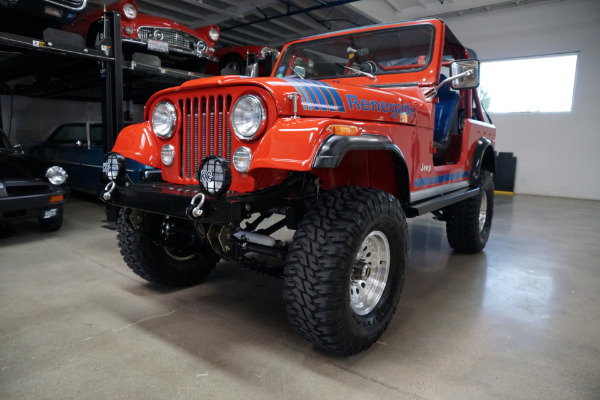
(462, 219)
(150, 262)
(317, 273)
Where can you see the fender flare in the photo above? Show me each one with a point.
(333, 149)
(483, 158)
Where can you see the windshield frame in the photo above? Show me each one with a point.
(293, 51)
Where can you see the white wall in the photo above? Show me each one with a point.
(558, 154)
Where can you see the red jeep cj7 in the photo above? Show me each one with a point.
(353, 132)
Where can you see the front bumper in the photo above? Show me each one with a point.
(178, 201)
(173, 49)
(30, 206)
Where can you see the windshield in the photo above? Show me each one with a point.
(376, 52)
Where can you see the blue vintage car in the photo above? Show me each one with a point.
(77, 147)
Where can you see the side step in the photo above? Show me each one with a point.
(429, 205)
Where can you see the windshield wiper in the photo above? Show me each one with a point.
(294, 71)
(359, 72)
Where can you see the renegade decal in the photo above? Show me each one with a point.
(318, 96)
(441, 179)
(394, 109)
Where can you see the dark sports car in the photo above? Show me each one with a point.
(30, 188)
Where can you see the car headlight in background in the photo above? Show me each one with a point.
(129, 11)
(164, 119)
(56, 175)
(167, 154)
(247, 116)
(241, 159)
(213, 33)
(214, 175)
(113, 167)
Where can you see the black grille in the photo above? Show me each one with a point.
(28, 189)
(205, 132)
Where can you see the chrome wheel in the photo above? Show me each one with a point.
(370, 273)
(482, 211)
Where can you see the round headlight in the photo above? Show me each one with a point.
(247, 116)
(164, 119)
(129, 11)
(113, 167)
(214, 175)
(241, 159)
(56, 175)
(167, 154)
(213, 33)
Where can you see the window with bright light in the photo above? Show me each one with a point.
(527, 85)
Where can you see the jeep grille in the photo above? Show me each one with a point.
(205, 131)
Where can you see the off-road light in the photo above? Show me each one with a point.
(164, 119)
(241, 159)
(213, 33)
(247, 117)
(56, 175)
(113, 167)
(167, 154)
(129, 11)
(214, 175)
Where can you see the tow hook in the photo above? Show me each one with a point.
(108, 189)
(195, 208)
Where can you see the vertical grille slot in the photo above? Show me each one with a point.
(205, 131)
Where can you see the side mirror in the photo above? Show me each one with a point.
(462, 78)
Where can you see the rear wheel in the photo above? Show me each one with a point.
(345, 269)
(167, 260)
(468, 223)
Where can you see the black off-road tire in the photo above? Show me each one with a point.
(320, 280)
(154, 263)
(468, 223)
(52, 224)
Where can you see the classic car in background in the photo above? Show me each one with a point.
(77, 147)
(176, 45)
(31, 17)
(30, 188)
(236, 60)
(63, 11)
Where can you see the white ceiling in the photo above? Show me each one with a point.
(274, 22)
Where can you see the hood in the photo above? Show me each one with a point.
(330, 99)
(18, 166)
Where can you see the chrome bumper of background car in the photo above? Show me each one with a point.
(174, 49)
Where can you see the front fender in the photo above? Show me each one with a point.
(138, 143)
(291, 144)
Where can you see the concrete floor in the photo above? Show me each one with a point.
(519, 321)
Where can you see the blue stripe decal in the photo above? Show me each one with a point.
(441, 179)
(303, 99)
(336, 96)
(320, 98)
(317, 95)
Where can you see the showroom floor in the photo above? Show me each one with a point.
(519, 321)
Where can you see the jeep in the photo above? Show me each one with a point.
(352, 133)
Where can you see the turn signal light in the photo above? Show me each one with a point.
(344, 130)
(57, 198)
